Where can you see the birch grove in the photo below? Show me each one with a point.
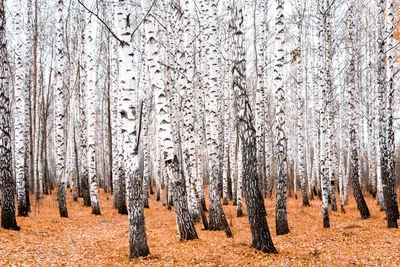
(215, 109)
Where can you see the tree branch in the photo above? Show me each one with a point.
(123, 43)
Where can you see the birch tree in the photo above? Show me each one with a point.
(282, 226)
(137, 230)
(185, 60)
(261, 237)
(60, 114)
(386, 122)
(301, 87)
(19, 112)
(329, 98)
(91, 109)
(8, 220)
(361, 204)
(324, 141)
(184, 221)
(217, 219)
(82, 115)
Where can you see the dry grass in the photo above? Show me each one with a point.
(88, 240)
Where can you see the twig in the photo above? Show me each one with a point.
(140, 128)
(123, 43)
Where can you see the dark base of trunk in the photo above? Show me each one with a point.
(334, 206)
(186, 228)
(203, 205)
(96, 210)
(63, 212)
(218, 222)
(62, 201)
(306, 203)
(195, 217)
(319, 195)
(23, 211)
(282, 225)
(262, 241)
(204, 220)
(158, 195)
(326, 223)
(202, 213)
(8, 220)
(342, 210)
(239, 212)
(139, 251)
(361, 204)
(122, 210)
(146, 199)
(151, 190)
(86, 198)
(11, 227)
(225, 201)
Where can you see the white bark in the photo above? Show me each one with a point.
(282, 226)
(91, 108)
(60, 114)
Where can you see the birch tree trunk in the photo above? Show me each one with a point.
(329, 98)
(91, 108)
(185, 61)
(172, 164)
(361, 204)
(261, 237)
(282, 226)
(301, 87)
(60, 114)
(239, 173)
(114, 112)
(200, 97)
(217, 219)
(82, 116)
(8, 220)
(324, 143)
(19, 113)
(260, 96)
(371, 78)
(128, 111)
(388, 158)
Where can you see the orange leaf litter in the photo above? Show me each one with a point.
(88, 240)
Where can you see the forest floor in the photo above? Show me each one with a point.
(83, 239)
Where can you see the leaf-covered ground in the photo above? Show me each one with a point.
(88, 240)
